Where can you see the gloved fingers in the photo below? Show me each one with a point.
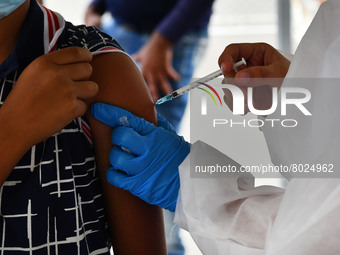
(121, 180)
(120, 159)
(115, 116)
(126, 162)
(162, 122)
(108, 114)
(129, 139)
(117, 178)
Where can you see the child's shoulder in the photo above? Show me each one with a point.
(88, 37)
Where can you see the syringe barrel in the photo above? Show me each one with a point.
(205, 79)
(196, 83)
(209, 77)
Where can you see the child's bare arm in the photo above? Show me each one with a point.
(136, 227)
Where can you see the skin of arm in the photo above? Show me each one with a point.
(135, 226)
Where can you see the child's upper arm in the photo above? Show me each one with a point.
(135, 227)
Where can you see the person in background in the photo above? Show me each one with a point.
(167, 39)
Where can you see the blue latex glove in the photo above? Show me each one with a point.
(150, 171)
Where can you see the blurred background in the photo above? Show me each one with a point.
(281, 23)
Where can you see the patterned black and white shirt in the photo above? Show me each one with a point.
(52, 201)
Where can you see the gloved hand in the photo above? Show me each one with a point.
(150, 171)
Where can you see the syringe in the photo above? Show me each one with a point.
(197, 83)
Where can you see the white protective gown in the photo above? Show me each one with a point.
(230, 216)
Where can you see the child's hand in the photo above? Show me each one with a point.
(49, 94)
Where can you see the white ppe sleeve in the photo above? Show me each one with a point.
(287, 55)
(230, 216)
(225, 215)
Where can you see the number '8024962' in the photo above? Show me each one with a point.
(312, 168)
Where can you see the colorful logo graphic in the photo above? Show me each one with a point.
(210, 94)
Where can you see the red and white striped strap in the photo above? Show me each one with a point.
(54, 25)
